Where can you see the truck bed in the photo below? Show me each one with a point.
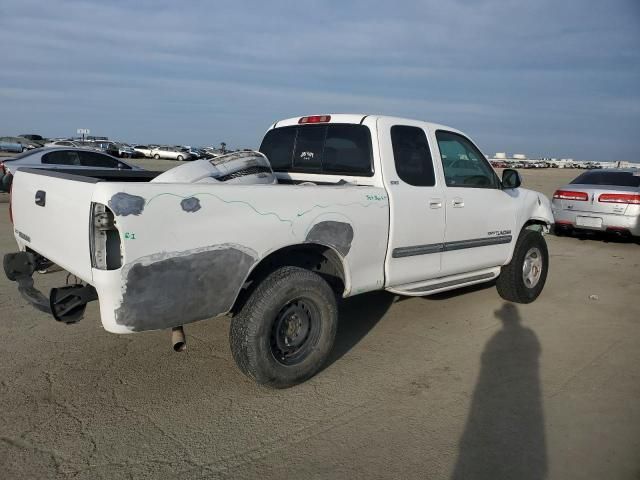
(166, 254)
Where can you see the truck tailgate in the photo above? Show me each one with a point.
(51, 215)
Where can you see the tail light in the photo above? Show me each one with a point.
(571, 195)
(632, 198)
(315, 119)
(105, 239)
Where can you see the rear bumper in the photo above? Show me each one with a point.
(601, 222)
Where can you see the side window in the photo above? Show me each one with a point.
(412, 156)
(463, 164)
(61, 157)
(94, 159)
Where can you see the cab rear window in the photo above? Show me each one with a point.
(332, 149)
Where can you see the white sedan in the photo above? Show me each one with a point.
(144, 149)
(170, 153)
(63, 143)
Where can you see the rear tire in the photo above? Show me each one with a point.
(285, 331)
(522, 279)
(156, 156)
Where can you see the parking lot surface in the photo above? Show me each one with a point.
(457, 385)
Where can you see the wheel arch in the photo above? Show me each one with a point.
(537, 224)
(316, 257)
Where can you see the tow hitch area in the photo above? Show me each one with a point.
(67, 304)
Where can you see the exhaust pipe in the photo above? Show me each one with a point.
(177, 339)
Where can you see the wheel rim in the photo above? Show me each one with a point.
(295, 331)
(532, 267)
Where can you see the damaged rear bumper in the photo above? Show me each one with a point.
(67, 304)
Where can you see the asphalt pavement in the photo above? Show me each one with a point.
(458, 385)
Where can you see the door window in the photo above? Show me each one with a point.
(463, 164)
(412, 156)
(94, 159)
(62, 157)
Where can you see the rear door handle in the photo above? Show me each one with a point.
(435, 203)
(458, 203)
(41, 198)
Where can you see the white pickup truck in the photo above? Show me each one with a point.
(346, 204)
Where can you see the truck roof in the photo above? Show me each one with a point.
(357, 118)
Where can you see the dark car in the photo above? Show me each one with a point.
(52, 158)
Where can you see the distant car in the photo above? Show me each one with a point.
(11, 147)
(196, 153)
(600, 200)
(145, 150)
(32, 136)
(170, 153)
(51, 158)
(121, 150)
(63, 143)
(18, 144)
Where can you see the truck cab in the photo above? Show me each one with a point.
(449, 212)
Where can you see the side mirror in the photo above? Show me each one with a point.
(511, 178)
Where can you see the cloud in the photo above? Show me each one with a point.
(507, 72)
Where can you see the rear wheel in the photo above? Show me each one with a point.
(285, 331)
(522, 280)
(156, 156)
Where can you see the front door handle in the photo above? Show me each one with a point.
(458, 203)
(435, 203)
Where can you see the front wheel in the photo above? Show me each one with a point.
(284, 333)
(180, 158)
(522, 279)
(156, 156)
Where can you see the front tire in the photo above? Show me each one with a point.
(285, 331)
(522, 279)
(156, 156)
(180, 158)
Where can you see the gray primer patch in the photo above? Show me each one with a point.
(167, 290)
(336, 234)
(124, 204)
(191, 204)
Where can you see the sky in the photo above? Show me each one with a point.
(544, 78)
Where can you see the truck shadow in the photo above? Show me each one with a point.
(358, 315)
(504, 437)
